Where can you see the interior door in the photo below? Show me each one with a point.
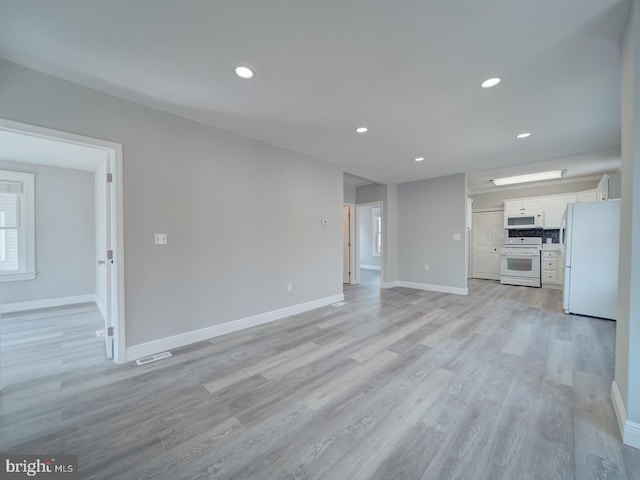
(488, 238)
(109, 278)
(346, 244)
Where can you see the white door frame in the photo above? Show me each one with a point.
(356, 270)
(115, 287)
(352, 241)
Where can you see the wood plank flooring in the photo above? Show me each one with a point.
(395, 384)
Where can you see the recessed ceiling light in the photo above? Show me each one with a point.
(491, 82)
(362, 130)
(531, 177)
(523, 135)
(419, 159)
(244, 72)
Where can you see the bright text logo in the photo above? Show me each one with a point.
(59, 467)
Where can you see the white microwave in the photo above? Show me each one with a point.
(524, 219)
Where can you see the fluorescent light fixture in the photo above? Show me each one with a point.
(362, 130)
(532, 177)
(244, 72)
(419, 159)
(491, 82)
(523, 135)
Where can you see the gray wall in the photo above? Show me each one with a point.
(429, 213)
(365, 236)
(64, 229)
(496, 199)
(349, 194)
(242, 217)
(390, 222)
(628, 320)
(374, 192)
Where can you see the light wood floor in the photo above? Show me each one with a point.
(395, 384)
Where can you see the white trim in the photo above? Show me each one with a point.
(618, 406)
(629, 430)
(432, 288)
(168, 343)
(17, 277)
(101, 306)
(46, 303)
(370, 267)
(352, 248)
(117, 237)
(486, 210)
(632, 434)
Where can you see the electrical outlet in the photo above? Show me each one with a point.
(456, 236)
(324, 221)
(426, 266)
(289, 287)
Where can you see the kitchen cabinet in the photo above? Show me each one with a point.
(552, 269)
(588, 196)
(523, 205)
(602, 190)
(554, 208)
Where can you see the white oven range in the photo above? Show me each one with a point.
(520, 261)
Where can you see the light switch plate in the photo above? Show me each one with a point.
(324, 221)
(160, 238)
(456, 236)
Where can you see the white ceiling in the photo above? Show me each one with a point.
(17, 147)
(409, 70)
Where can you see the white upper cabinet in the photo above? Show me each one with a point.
(602, 190)
(588, 196)
(551, 207)
(554, 208)
(523, 205)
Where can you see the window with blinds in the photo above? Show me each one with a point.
(17, 245)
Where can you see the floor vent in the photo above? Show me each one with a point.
(153, 358)
(338, 304)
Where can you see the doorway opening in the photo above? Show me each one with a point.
(369, 243)
(35, 146)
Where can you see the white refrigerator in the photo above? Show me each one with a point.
(590, 238)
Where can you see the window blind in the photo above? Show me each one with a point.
(10, 187)
(9, 222)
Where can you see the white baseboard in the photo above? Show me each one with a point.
(629, 430)
(618, 406)
(101, 306)
(370, 267)
(168, 343)
(46, 303)
(425, 286)
(433, 288)
(632, 434)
